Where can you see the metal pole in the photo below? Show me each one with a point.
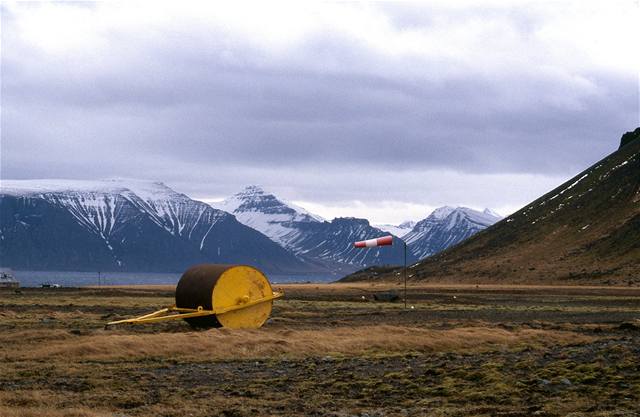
(405, 274)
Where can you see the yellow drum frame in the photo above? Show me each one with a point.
(209, 295)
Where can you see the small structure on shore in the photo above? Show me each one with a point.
(7, 280)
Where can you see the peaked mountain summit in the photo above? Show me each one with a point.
(126, 225)
(445, 227)
(264, 212)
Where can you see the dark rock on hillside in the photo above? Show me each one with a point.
(628, 137)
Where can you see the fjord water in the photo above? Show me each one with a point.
(81, 279)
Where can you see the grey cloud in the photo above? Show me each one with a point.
(201, 108)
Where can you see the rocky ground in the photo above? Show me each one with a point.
(328, 350)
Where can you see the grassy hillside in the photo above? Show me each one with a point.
(586, 231)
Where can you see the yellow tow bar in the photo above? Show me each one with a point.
(165, 314)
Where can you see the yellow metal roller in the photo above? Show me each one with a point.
(233, 296)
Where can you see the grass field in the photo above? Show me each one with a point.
(328, 350)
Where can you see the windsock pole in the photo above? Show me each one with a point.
(386, 241)
(405, 274)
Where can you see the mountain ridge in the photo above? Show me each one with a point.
(128, 225)
(119, 215)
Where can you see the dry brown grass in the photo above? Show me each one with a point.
(34, 336)
(47, 411)
(346, 288)
(38, 403)
(240, 344)
(482, 353)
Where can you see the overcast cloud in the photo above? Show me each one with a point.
(383, 110)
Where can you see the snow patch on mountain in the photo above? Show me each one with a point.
(304, 211)
(397, 230)
(20, 188)
(492, 213)
(100, 205)
(447, 226)
(269, 215)
(441, 212)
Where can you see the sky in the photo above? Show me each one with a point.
(381, 110)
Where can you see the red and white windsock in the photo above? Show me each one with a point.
(370, 243)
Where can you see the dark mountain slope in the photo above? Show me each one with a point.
(586, 231)
(33, 225)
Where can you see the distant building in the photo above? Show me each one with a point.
(7, 280)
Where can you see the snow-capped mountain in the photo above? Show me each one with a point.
(399, 230)
(328, 245)
(331, 244)
(445, 227)
(102, 207)
(264, 212)
(123, 225)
